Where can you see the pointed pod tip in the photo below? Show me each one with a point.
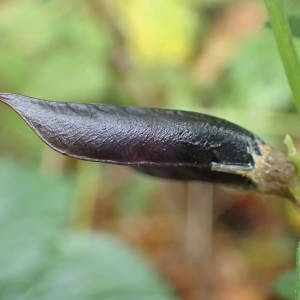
(13, 100)
(5, 97)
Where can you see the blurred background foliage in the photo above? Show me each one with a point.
(79, 230)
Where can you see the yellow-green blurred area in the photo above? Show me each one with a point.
(78, 230)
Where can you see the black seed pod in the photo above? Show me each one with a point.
(165, 143)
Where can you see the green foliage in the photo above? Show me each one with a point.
(286, 46)
(96, 267)
(291, 63)
(284, 286)
(268, 88)
(49, 48)
(40, 261)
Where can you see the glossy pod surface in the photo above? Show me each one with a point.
(165, 143)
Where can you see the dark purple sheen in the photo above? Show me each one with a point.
(162, 142)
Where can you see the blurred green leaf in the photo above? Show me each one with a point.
(253, 80)
(52, 49)
(39, 261)
(89, 266)
(284, 286)
(32, 210)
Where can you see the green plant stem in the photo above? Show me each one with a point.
(284, 39)
(297, 292)
(287, 50)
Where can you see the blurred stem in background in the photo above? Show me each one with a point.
(287, 50)
(199, 232)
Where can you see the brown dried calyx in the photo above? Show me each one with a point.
(273, 173)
